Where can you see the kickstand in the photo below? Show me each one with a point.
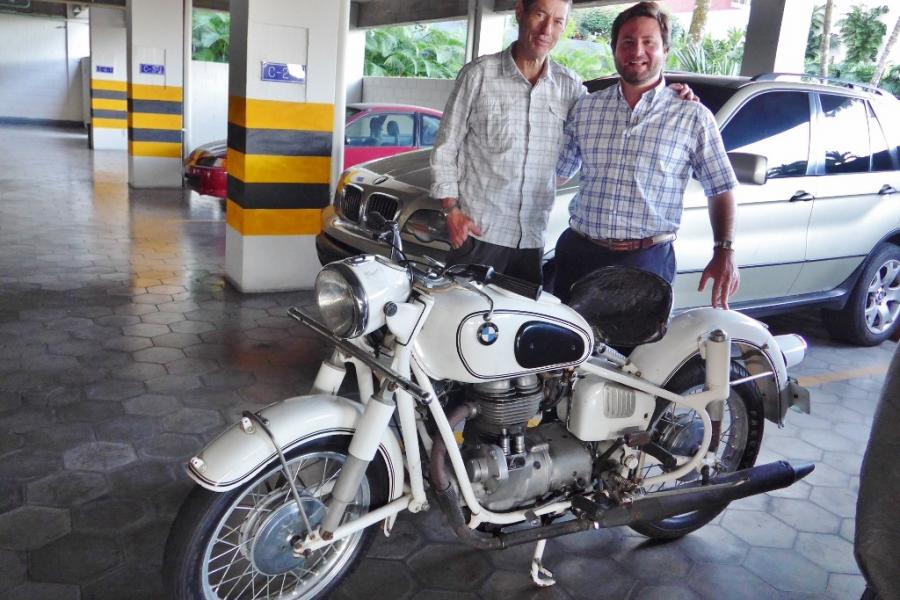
(539, 575)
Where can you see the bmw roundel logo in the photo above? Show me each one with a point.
(488, 333)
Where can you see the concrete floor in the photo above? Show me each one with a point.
(122, 350)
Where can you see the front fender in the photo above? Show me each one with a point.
(759, 352)
(235, 456)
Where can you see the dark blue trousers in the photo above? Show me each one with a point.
(577, 256)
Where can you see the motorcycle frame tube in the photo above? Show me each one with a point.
(408, 433)
(697, 402)
(479, 513)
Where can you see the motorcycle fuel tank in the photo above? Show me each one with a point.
(466, 341)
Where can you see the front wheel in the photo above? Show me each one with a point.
(871, 313)
(680, 431)
(237, 544)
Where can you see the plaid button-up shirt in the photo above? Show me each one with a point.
(635, 164)
(498, 145)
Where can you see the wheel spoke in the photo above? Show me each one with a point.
(892, 270)
(884, 316)
(871, 314)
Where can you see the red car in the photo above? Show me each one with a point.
(372, 131)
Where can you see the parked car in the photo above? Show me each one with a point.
(372, 131)
(818, 224)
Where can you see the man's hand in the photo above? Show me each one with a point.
(684, 92)
(723, 270)
(460, 226)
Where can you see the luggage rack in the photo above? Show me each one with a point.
(819, 78)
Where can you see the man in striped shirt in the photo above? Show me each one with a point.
(494, 157)
(637, 146)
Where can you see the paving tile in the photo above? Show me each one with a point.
(450, 566)
(848, 529)
(759, 529)
(169, 446)
(114, 390)
(173, 384)
(67, 488)
(88, 411)
(803, 516)
(391, 578)
(831, 552)
(728, 581)
(652, 556)
(590, 578)
(663, 592)
(158, 355)
(11, 495)
(27, 463)
(42, 591)
(193, 420)
(109, 515)
(143, 371)
(145, 329)
(846, 586)
(714, 544)
(513, 584)
(74, 558)
(31, 527)
(12, 570)
(127, 343)
(99, 456)
(826, 475)
(151, 404)
(786, 571)
(132, 581)
(127, 428)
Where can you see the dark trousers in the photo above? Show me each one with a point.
(576, 256)
(523, 263)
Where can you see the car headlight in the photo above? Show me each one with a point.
(352, 293)
(427, 226)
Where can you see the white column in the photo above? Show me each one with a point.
(155, 96)
(776, 36)
(109, 79)
(283, 89)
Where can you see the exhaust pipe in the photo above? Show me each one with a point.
(695, 496)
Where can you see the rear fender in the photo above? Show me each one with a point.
(752, 345)
(235, 456)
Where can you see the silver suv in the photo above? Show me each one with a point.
(818, 218)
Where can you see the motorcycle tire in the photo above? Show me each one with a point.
(692, 377)
(228, 545)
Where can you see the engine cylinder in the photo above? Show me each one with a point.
(508, 403)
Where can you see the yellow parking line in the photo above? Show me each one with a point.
(817, 380)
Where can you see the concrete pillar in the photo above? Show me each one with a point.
(354, 64)
(484, 34)
(109, 79)
(776, 36)
(155, 96)
(285, 109)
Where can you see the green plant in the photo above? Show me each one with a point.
(588, 64)
(210, 35)
(814, 39)
(862, 32)
(595, 22)
(414, 51)
(711, 56)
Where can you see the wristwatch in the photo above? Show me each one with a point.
(724, 244)
(449, 209)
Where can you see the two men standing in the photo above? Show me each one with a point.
(636, 144)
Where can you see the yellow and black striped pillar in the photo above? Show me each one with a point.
(154, 121)
(109, 79)
(109, 111)
(155, 45)
(281, 119)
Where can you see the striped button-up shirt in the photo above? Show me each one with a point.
(498, 145)
(635, 163)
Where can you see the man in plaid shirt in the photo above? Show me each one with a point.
(637, 146)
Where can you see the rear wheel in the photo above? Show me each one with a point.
(680, 431)
(872, 311)
(237, 545)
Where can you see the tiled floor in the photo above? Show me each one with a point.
(122, 350)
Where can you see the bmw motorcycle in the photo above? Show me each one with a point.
(519, 417)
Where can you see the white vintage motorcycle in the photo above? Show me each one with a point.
(522, 411)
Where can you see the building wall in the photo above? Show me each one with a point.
(40, 71)
(408, 90)
(208, 103)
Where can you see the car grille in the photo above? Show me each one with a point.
(382, 204)
(351, 200)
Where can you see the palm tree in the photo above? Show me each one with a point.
(698, 21)
(882, 61)
(825, 49)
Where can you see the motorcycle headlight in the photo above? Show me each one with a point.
(351, 293)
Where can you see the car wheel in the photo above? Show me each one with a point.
(872, 313)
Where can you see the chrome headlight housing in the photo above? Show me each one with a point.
(352, 293)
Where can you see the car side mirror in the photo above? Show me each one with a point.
(749, 168)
